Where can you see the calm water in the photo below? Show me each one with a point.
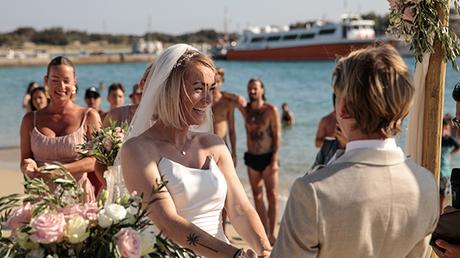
(304, 85)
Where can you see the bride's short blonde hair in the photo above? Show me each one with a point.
(169, 109)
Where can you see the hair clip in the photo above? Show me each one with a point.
(185, 58)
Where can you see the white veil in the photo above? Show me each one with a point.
(144, 117)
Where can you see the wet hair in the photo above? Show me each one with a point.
(376, 87)
(60, 60)
(169, 108)
(29, 87)
(252, 80)
(38, 89)
(116, 86)
(456, 92)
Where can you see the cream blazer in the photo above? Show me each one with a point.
(368, 203)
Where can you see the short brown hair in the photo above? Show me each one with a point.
(169, 109)
(376, 87)
(116, 86)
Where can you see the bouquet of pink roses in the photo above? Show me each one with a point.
(104, 143)
(45, 223)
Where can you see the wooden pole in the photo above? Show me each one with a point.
(434, 105)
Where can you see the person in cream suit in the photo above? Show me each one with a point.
(372, 201)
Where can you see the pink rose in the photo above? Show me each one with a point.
(86, 210)
(128, 241)
(48, 228)
(20, 217)
(408, 14)
(91, 211)
(107, 144)
(120, 135)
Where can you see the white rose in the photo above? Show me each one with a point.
(103, 220)
(36, 253)
(115, 212)
(148, 240)
(76, 229)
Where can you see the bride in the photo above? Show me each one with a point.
(170, 137)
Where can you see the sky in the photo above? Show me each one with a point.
(172, 16)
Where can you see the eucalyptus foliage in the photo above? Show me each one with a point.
(426, 28)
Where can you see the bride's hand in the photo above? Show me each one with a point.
(250, 254)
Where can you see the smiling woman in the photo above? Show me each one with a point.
(52, 134)
(201, 179)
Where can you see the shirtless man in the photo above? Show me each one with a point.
(263, 129)
(326, 127)
(223, 107)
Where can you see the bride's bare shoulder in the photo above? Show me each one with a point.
(141, 147)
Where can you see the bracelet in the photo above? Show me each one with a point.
(239, 253)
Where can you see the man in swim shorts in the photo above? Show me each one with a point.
(263, 131)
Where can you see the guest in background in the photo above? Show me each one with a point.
(39, 99)
(116, 95)
(223, 109)
(449, 147)
(287, 116)
(330, 149)
(126, 113)
(93, 100)
(263, 131)
(136, 95)
(52, 134)
(26, 99)
(326, 127)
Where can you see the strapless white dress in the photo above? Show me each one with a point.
(198, 194)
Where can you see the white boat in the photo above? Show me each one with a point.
(317, 40)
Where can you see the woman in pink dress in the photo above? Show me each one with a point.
(52, 134)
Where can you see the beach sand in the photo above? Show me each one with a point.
(10, 174)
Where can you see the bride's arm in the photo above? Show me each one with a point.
(141, 175)
(242, 214)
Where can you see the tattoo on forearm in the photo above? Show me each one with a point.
(193, 239)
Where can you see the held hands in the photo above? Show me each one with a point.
(451, 251)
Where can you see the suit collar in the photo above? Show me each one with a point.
(372, 156)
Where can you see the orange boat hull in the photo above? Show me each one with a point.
(299, 53)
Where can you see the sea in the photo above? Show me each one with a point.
(305, 86)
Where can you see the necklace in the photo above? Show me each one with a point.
(184, 147)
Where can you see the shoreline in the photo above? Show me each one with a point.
(84, 59)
